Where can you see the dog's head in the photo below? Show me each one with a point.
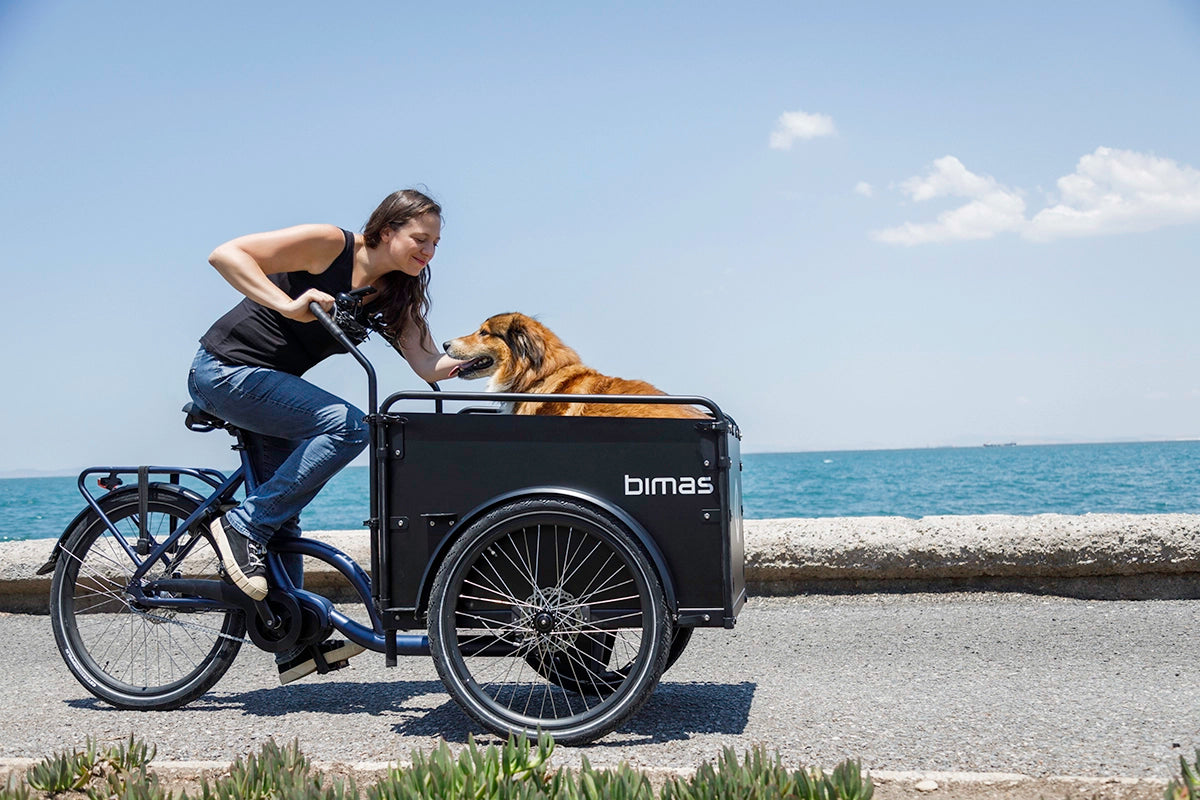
(514, 350)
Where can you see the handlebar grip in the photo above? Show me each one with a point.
(326, 321)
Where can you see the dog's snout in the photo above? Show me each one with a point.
(445, 347)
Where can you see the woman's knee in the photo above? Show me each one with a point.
(351, 428)
(361, 433)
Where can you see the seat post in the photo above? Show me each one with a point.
(242, 446)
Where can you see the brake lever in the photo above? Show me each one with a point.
(345, 312)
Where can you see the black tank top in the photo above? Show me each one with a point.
(257, 336)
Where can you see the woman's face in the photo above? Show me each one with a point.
(412, 245)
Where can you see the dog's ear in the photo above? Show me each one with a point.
(524, 344)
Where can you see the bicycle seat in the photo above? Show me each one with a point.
(201, 421)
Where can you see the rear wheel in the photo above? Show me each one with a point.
(128, 655)
(546, 615)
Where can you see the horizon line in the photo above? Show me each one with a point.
(17, 474)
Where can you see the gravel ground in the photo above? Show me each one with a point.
(972, 682)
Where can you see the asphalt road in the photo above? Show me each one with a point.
(971, 682)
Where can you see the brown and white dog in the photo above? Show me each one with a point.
(519, 354)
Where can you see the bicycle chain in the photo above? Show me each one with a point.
(182, 623)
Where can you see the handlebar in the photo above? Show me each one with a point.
(328, 324)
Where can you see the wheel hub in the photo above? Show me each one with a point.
(552, 618)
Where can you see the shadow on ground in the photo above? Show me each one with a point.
(675, 711)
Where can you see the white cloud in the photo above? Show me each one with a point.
(795, 125)
(993, 208)
(1120, 191)
(948, 178)
(1111, 191)
(864, 188)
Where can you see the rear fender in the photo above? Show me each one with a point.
(110, 500)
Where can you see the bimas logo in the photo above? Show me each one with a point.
(667, 486)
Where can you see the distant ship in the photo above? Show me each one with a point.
(999, 444)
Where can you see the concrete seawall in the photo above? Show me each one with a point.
(1099, 556)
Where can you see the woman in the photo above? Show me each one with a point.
(248, 370)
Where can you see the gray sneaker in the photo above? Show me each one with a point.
(243, 559)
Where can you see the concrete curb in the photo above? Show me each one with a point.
(1096, 556)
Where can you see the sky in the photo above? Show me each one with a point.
(852, 225)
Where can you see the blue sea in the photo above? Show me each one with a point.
(1133, 478)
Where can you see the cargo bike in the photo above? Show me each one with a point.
(552, 566)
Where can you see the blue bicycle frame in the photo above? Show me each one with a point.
(169, 549)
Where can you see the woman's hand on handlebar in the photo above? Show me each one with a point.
(298, 310)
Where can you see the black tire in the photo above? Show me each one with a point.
(678, 643)
(139, 658)
(537, 579)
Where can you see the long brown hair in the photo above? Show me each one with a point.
(402, 298)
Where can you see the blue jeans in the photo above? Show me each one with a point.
(299, 436)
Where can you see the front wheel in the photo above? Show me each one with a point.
(518, 607)
(132, 656)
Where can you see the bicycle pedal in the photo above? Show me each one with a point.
(324, 666)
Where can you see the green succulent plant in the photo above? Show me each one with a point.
(1187, 785)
